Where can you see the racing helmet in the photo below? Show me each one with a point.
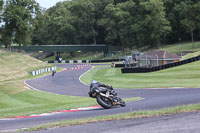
(94, 81)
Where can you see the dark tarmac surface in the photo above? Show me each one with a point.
(179, 123)
(67, 83)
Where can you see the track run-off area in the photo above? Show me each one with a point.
(68, 82)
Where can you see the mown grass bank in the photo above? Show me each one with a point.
(15, 65)
(182, 47)
(182, 76)
(16, 99)
(190, 55)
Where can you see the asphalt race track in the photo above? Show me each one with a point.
(67, 83)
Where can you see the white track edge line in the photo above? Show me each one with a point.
(33, 88)
(83, 75)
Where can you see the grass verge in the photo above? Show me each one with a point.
(17, 100)
(182, 47)
(182, 76)
(131, 115)
(191, 55)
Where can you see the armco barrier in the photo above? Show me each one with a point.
(158, 68)
(107, 60)
(40, 71)
(86, 61)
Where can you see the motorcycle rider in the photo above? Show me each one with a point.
(53, 73)
(95, 85)
(106, 89)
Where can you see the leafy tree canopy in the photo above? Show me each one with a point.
(19, 21)
(126, 23)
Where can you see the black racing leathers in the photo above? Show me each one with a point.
(98, 84)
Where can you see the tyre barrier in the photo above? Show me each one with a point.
(158, 68)
(135, 70)
(119, 65)
(40, 71)
(70, 61)
(78, 67)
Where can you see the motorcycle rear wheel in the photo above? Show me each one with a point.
(104, 102)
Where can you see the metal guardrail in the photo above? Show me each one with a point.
(61, 48)
(85, 61)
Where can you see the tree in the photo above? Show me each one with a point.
(83, 12)
(190, 13)
(117, 21)
(109, 22)
(100, 6)
(126, 23)
(40, 34)
(173, 14)
(7, 36)
(69, 22)
(152, 24)
(19, 20)
(139, 24)
(1, 7)
(127, 15)
(55, 26)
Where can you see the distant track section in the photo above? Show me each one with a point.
(162, 67)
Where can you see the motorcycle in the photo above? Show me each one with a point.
(106, 97)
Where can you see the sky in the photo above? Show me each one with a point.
(47, 3)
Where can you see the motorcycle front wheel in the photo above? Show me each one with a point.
(122, 103)
(104, 102)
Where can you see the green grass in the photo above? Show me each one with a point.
(15, 65)
(182, 47)
(16, 99)
(30, 102)
(191, 55)
(131, 115)
(183, 76)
